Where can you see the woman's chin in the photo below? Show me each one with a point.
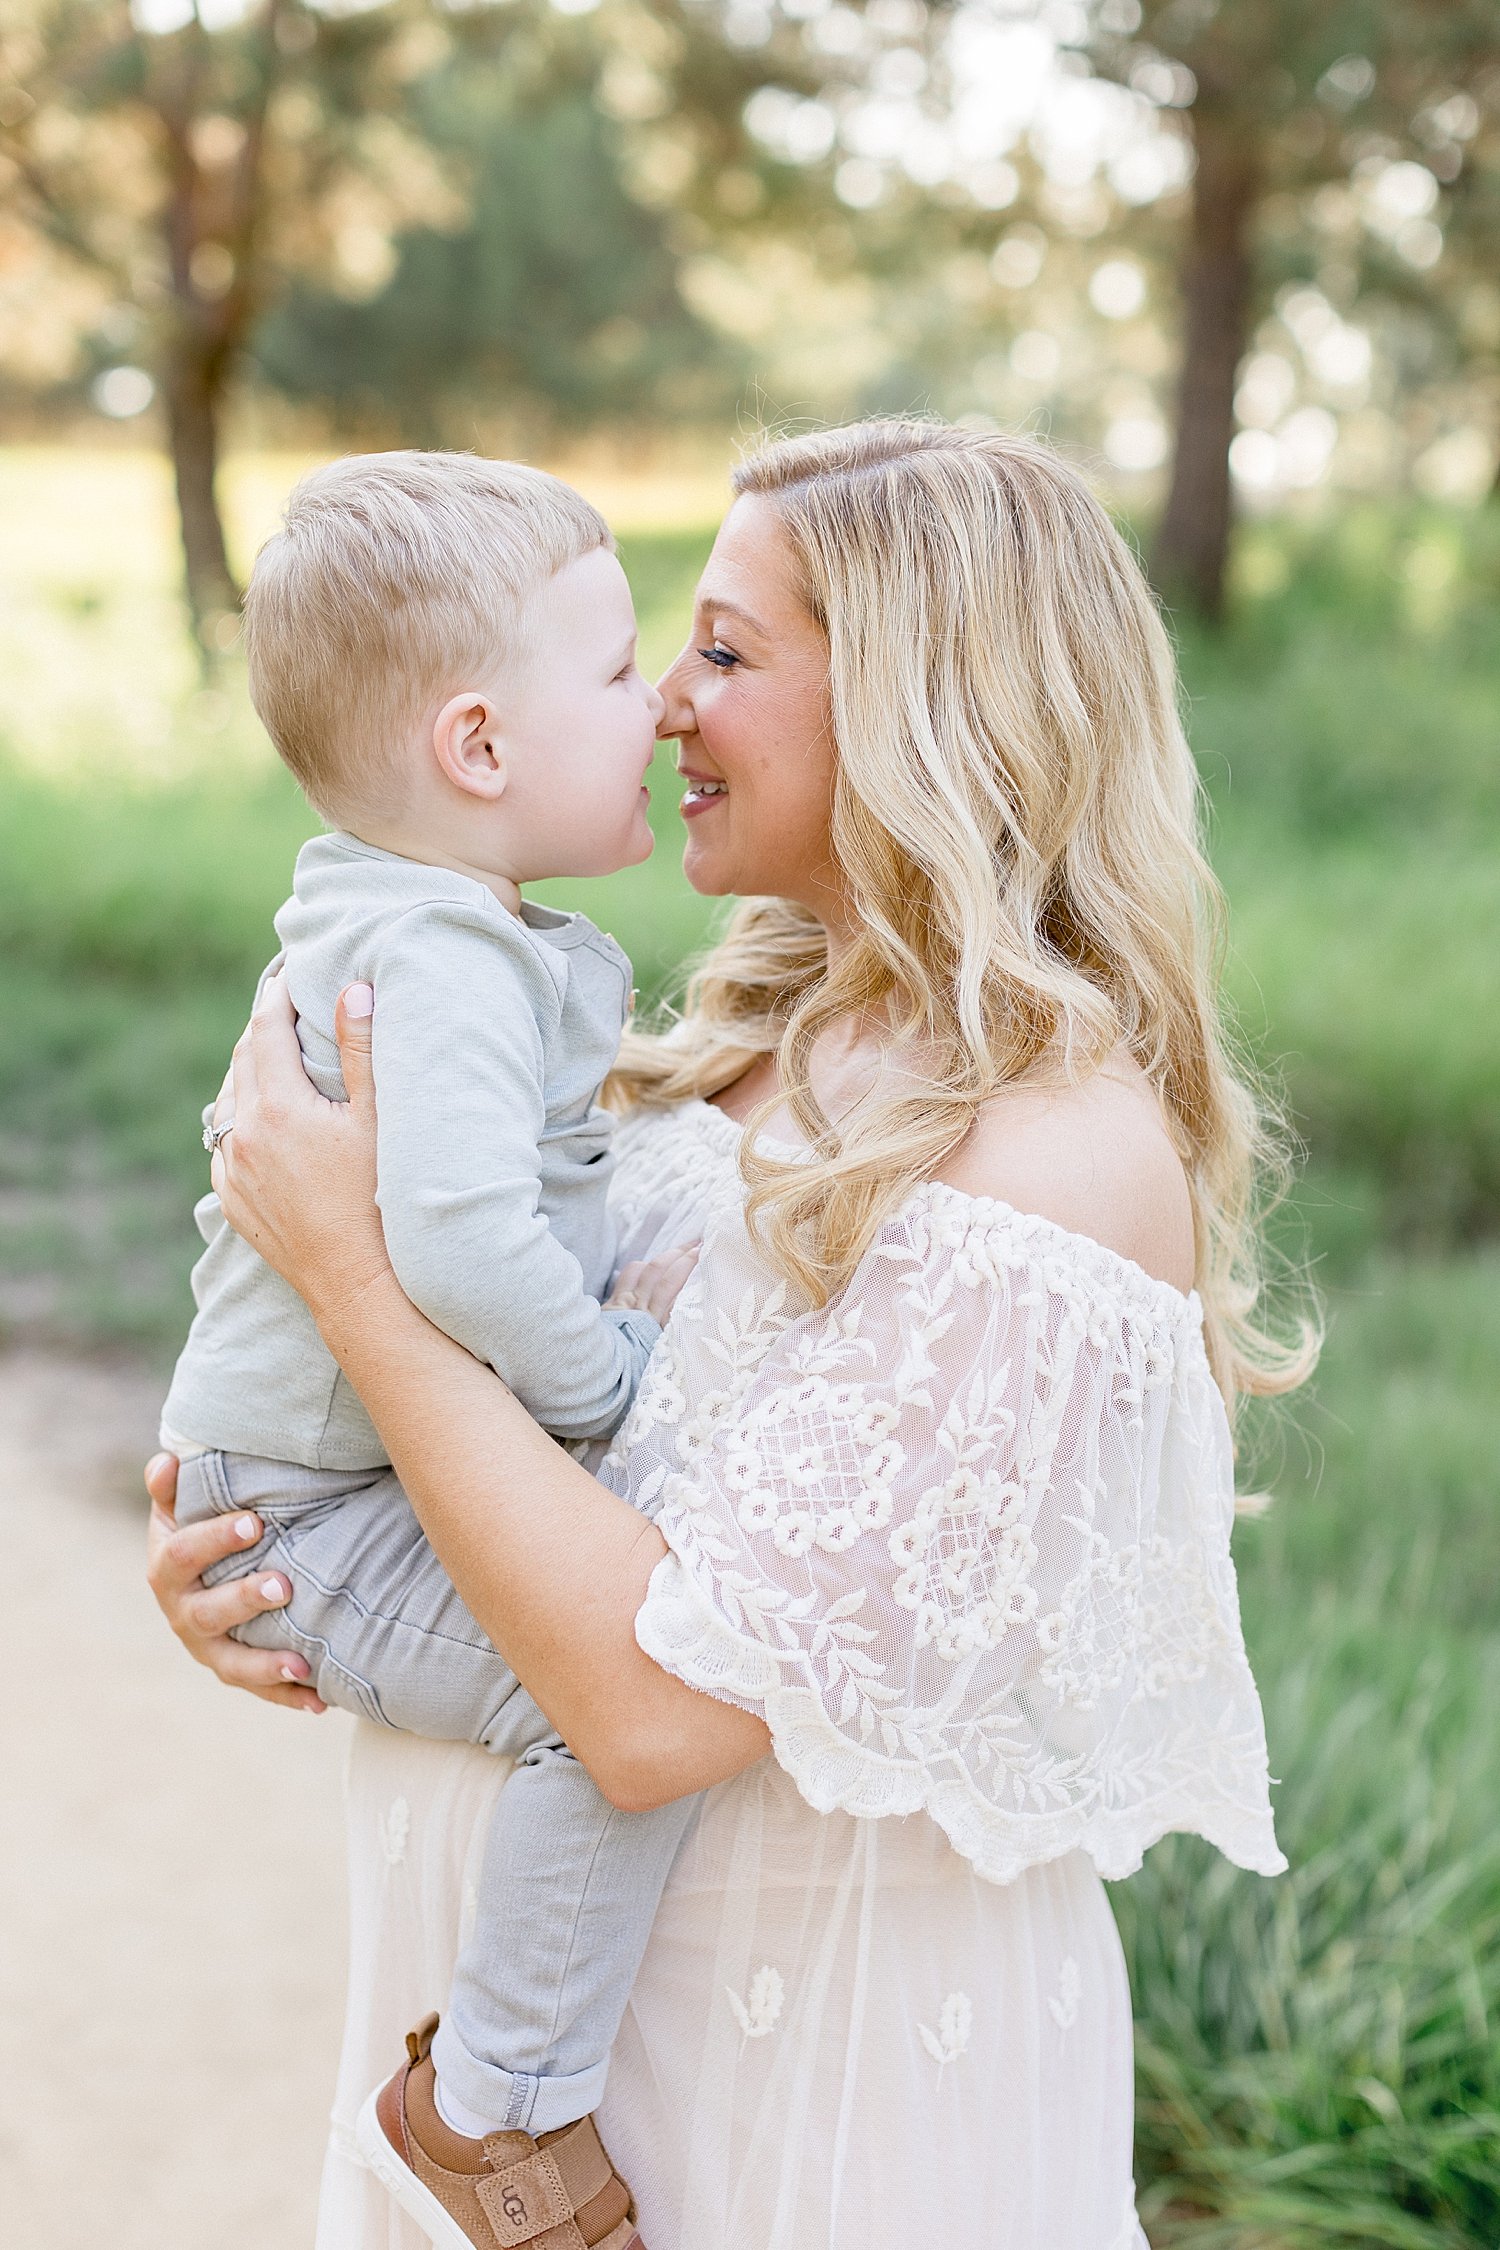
(707, 871)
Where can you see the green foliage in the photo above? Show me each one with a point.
(1348, 734)
(556, 299)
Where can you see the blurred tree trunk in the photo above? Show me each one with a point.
(211, 222)
(192, 393)
(1192, 541)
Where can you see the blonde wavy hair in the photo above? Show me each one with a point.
(1017, 821)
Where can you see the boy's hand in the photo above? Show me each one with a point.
(653, 1285)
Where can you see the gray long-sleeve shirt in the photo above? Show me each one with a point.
(492, 1036)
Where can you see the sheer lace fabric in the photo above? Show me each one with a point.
(961, 1535)
(963, 1538)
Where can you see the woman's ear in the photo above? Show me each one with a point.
(466, 742)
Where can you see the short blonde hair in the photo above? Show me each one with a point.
(395, 580)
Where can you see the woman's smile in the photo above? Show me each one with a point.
(704, 791)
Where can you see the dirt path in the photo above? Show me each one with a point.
(171, 1914)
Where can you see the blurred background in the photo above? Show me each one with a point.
(1242, 259)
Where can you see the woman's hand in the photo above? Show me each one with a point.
(295, 1174)
(201, 1615)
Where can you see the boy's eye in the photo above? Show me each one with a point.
(723, 658)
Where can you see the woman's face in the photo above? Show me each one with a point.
(747, 702)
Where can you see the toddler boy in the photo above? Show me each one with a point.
(443, 651)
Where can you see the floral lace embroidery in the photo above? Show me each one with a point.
(960, 1535)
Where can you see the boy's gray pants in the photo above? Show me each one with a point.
(570, 1886)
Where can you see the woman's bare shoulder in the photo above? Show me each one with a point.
(1095, 1157)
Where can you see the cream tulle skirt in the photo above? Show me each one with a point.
(841, 2039)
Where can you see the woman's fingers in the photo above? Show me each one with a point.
(354, 1028)
(178, 1555)
(202, 1616)
(210, 1612)
(235, 1106)
(274, 1045)
(264, 1671)
(223, 1109)
(161, 1480)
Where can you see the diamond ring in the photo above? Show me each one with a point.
(213, 1134)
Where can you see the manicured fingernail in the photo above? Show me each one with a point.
(359, 1000)
(272, 1590)
(288, 1674)
(244, 1527)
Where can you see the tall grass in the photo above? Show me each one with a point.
(1319, 2057)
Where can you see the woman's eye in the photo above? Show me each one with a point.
(723, 658)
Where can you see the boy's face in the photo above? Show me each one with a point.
(579, 728)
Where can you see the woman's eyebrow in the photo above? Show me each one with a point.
(713, 607)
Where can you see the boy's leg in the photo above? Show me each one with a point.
(372, 1610)
(570, 1886)
(567, 1897)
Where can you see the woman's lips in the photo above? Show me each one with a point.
(704, 791)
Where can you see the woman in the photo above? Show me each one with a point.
(928, 1489)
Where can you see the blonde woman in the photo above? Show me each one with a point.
(914, 1552)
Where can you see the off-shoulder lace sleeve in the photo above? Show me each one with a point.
(961, 1536)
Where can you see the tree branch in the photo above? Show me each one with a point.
(53, 216)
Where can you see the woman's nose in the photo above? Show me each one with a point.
(671, 691)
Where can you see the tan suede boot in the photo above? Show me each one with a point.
(556, 2192)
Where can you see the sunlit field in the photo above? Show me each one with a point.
(1317, 2055)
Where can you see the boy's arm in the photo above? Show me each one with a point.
(459, 1066)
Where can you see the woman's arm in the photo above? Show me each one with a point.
(553, 1565)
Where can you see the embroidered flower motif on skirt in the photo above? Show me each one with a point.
(394, 1831)
(954, 2026)
(759, 2013)
(1063, 2005)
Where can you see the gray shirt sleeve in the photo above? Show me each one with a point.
(459, 1070)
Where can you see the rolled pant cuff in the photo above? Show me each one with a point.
(517, 2100)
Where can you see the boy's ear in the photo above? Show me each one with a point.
(467, 744)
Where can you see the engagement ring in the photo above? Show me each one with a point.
(213, 1134)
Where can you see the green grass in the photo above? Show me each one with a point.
(1318, 2055)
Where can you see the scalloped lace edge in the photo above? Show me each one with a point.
(679, 1628)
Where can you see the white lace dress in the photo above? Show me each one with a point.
(962, 1537)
